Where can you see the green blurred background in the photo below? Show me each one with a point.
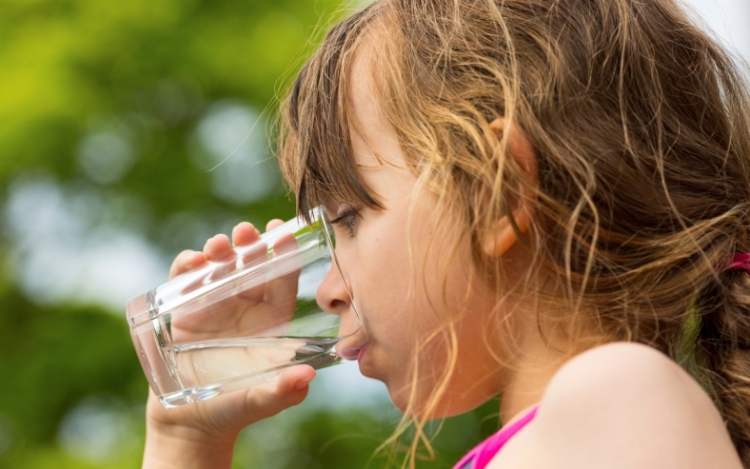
(114, 119)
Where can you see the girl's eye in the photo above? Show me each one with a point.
(347, 219)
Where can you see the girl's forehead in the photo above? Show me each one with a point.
(362, 90)
(373, 139)
(376, 148)
(333, 99)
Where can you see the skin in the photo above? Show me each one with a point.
(618, 405)
(399, 313)
(403, 304)
(622, 405)
(203, 434)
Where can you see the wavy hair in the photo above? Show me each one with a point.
(640, 123)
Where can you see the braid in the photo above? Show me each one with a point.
(724, 352)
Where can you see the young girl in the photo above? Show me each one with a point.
(543, 199)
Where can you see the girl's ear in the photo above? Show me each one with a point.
(503, 235)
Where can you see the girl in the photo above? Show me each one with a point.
(542, 199)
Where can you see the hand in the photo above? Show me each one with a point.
(204, 433)
(259, 306)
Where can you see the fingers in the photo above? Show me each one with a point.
(230, 413)
(282, 291)
(185, 261)
(244, 234)
(252, 252)
(218, 248)
(275, 223)
(295, 378)
(288, 390)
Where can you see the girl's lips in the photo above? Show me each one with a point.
(351, 352)
(349, 348)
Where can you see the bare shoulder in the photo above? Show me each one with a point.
(626, 405)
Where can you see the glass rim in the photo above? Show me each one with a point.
(148, 314)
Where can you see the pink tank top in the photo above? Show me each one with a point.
(482, 454)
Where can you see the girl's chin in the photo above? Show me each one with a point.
(367, 372)
(419, 410)
(424, 405)
(366, 361)
(400, 396)
(400, 393)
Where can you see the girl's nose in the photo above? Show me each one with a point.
(332, 295)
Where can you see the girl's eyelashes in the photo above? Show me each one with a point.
(347, 219)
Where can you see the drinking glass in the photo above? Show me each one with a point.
(234, 324)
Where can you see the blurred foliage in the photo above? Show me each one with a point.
(154, 65)
(140, 76)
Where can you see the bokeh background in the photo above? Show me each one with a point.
(129, 131)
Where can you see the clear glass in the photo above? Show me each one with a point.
(235, 324)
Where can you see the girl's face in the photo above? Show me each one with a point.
(404, 304)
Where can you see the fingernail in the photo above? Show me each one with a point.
(301, 384)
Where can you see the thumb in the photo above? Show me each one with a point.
(289, 389)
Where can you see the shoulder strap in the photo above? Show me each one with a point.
(481, 455)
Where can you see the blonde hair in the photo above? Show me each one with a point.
(640, 124)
